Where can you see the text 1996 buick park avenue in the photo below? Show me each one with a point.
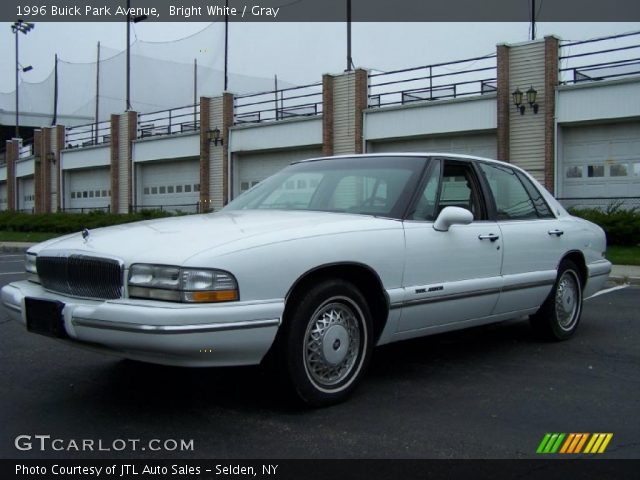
(316, 265)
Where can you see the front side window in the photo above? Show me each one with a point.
(460, 188)
(511, 198)
(450, 184)
(425, 208)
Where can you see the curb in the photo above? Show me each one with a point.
(15, 247)
(622, 280)
(12, 249)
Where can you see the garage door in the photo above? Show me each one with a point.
(26, 194)
(88, 189)
(600, 161)
(482, 145)
(251, 168)
(171, 185)
(3, 196)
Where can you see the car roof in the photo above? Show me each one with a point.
(407, 154)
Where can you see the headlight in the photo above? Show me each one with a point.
(30, 267)
(175, 284)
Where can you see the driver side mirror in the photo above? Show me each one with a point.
(452, 216)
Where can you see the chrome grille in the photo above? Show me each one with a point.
(81, 276)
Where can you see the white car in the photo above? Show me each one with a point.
(316, 265)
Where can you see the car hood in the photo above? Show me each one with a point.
(174, 240)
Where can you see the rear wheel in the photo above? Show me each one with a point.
(559, 316)
(327, 342)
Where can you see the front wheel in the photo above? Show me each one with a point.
(327, 342)
(559, 315)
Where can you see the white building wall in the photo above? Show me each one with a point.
(595, 101)
(166, 146)
(282, 134)
(87, 157)
(431, 118)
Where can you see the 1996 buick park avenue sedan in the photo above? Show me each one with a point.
(318, 264)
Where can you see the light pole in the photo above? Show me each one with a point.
(141, 18)
(22, 27)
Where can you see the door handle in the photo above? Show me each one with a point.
(556, 232)
(489, 236)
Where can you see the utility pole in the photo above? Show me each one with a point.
(533, 20)
(349, 59)
(226, 45)
(20, 26)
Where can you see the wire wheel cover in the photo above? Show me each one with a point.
(567, 300)
(332, 342)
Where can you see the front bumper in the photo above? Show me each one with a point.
(238, 333)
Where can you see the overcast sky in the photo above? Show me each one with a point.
(297, 52)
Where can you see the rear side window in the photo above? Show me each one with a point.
(512, 199)
(539, 202)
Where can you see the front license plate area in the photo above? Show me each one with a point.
(45, 317)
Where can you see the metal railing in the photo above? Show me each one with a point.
(294, 102)
(178, 208)
(604, 58)
(88, 135)
(26, 149)
(471, 76)
(168, 122)
(600, 203)
(106, 209)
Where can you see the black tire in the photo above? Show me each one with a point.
(559, 315)
(326, 342)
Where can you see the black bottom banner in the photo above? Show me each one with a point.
(320, 469)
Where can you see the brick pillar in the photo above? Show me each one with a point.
(503, 102)
(47, 145)
(344, 99)
(57, 145)
(227, 123)
(115, 162)
(38, 170)
(47, 164)
(124, 130)
(361, 100)
(12, 152)
(205, 151)
(214, 159)
(132, 132)
(327, 115)
(526, 147)
(551, 49)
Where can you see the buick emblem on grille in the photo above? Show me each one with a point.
(85, 234)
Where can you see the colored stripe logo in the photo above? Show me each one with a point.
(574, 443)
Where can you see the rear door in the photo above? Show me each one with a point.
(534, 240)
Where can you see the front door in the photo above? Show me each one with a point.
(451, 276)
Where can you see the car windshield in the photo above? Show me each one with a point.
(380, 186)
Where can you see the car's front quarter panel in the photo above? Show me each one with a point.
(269, 270)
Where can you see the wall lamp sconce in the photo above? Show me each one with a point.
(51, 157)
(214, 136)
(532, 94)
